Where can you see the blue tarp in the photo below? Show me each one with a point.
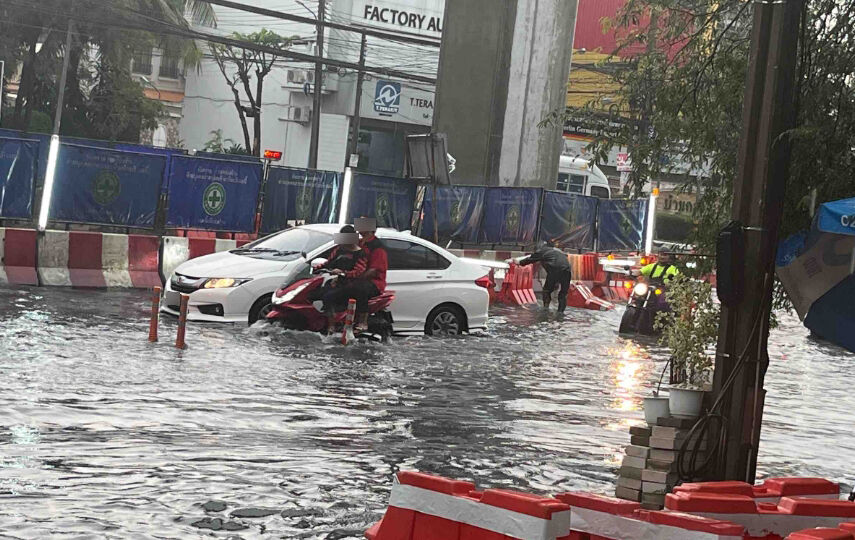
(299, 195)
(459, 212)
(837, 217)
(213, 194)
(790, 248)
(511, 215)
(99, 185)
(388, 199)
(621, 224)
(832, 316)
(568, 220)
(18, 168)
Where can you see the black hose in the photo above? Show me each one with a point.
(715, 455)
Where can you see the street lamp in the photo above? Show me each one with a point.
(53, 153)
(40, 42)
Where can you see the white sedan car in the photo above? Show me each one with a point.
(435, 291)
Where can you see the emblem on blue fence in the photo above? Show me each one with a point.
(456, 213)
(105, 187)
(626, 226)
(387, 97)
(512, 219)
(304, 204)
(383, 210)
(214, 199)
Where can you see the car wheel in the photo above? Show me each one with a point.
(260, 308)
(446, 321)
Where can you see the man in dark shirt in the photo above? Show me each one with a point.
(557, 267)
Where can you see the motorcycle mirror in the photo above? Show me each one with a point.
(319, 261)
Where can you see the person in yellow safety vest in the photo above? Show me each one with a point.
(662, 270)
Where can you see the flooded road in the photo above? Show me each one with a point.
(289, 436)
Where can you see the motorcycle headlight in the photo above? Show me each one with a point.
(223, 283)
(640, 289)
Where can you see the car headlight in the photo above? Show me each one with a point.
(640, 289)
(290, 295)
(223, 283)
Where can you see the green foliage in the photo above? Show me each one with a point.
(685, 64)
(244, 69)
(217, 143)
(691, 328)
(102, 99)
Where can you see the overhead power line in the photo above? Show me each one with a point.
(163, 27)
(327, 24)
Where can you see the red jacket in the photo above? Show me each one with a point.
(377, 260)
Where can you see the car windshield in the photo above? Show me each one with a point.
(287, 245)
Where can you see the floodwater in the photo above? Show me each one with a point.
(103, 435)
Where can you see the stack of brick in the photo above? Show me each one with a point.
(649, 468)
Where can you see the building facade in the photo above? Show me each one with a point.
(390, 108)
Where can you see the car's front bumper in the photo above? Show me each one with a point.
(235, 302)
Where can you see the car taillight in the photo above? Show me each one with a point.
(485, 282)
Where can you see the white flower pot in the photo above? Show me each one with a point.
(655, 407)
(685, 401)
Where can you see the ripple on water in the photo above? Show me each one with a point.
(287, 434)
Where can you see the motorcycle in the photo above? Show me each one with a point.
(293, 310)
(644, 303)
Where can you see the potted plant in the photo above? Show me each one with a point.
(656, 405)
(689, 330)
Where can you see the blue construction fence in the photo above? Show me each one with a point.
(138, 186)
(522, 216)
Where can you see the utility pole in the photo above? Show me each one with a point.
(319, 82)
(57, 117)
(758, 195)
(360, 77)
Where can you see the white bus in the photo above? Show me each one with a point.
(578, 175)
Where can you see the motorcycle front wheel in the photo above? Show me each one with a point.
(629, 320)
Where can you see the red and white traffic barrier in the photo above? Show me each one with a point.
(764, 520)
(581, 296)
(607, 518)
(771, 490)
(517, 287)
(821, 534)
(91, 259)
(18, 257)
(583, 266)
(422, 506)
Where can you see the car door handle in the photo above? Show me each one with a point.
(434, 276)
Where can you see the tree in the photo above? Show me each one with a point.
(222, 145)
(102, 99)
(239, 67)
(690, 85)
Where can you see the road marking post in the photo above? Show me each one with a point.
(182, 322)
(155, 310)
(347, 331)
